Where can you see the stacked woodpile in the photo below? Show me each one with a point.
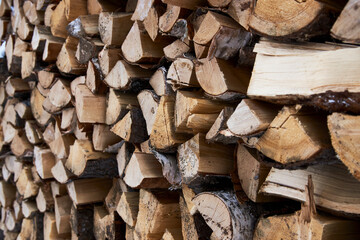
(180, 119)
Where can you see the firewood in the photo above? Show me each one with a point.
(36, 100)
(59, 21)
(41, 34)
(94, 77)
(196, 152)
(26, 229)
(132, 127)
(62, 214)
(49, 133)
(219, 131)
(35, 176)
(46, 78)
(114, 27)
(28, 208)
(48, 13)
(108, 58)
(87, 49)
(58, 189)
(3, 27)
(128, 207)
(278, 183)
(113, 197)
(305, 223)
(86, 25)
(68, 119)
(304, 132)
(123, 157)
(100, 187)
(170, 167)
(177, 49)
(98, 6)
(25, 184)
(90, 108)
(6, 174)
(25, 29)
(151, 22)
(28, 65)
(142, 10)
(20, 145)
(159, 84)
(155, 214)
(172, 234)
(345, 28)
(44, 160)
(299, 20)
(60, 95)
(211, 25)
(73, 9)
(168, 19)
(224, 77)
(251, 117)
(50, 231)
(35, 17)
(108, 225)
(144, 171)
(149, 103)
(82, 221)
(138, 47)
(74, 83)
(83, 160)
(23, 110)
(10, 222)
(103, 137)
(52, 49)
(15, 87)
(344, 138)
(235, 220)
(66, 61)
(44, 199)
(188, 4)
(117, 103)
(7, 194)
(61, 173)
(123, 75)
(60, 145)
(188, 103)
(182, 72)
(5, 9)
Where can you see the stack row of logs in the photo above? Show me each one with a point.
(180, 119)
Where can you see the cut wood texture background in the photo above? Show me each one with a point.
(180, 119)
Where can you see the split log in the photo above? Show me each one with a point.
(177, 49)
(25, 29)
(60, 145)
(82, 221)
(124, 76)
(102, 137)
(66, 61)
(28, 65)
(94, 77)
(41, 34)
(60, 93)
(17, 87)
(58, 189)
(123, 157)
(322, 91)
(149, 103)
(28, 208)
(159, 83)
(50, 231)
(196, 157)
(144, 171)
(68, 119)
(58, 20)
(7, 194)
(168, 19)
(36, 100)
(128, 207)
(84, 161)
(20, 145)
(75, 8)
(219, 131)
(44, 199)
(251, 117)
(345, 140)
(25, 184)
(132, 127)
(302, 131)
(228, 218)
(114, 27)
(44, 160)
(240, 11)
(172, 234)
(48, 13)
(78, 190)
(90, 108)
(11, 223)
(87, 49)
(108, 57)
(182, 73)
(108, 225)
(290, 19)
(113, 197)
(52, 49)
(188, 4)
(157, 211)
(46, 78)
(62, 214)
(86, 25)
(23, 109)
(61, 173)
(332, 198)
(35, 17)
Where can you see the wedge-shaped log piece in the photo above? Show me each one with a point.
(345, 27)
(139, 48)
(142, 10)
(114, 27)
(163, 136)
(50, 231)
(62, 214)
(25, 29)
(132, 127)
(182, 72)
(44, 160)
(315, 83)
(75, 8)
(159, 84)
(36, 100)
(16, 87)
(7, 194)
(334, 197)
(251, 117)
(210, 25)
(11, 223)
(60, 94)
(128, 207)
(60, 144)
(28, 65)
(225, 215)
(90, 108)
(40, 36)
(28, 208)
(108, 225)
(168, 19)
(94, 77)
(20, 145)
(219, 131)
(35, 17)
(61, 173)
(123, 75)
(172, 234)
(44, 199)
(83, 160)
(108, 57)
(48, 13)
(26, 185)
(149, 103)
(176, 49)
(291, 19)
(196, 157)
(188, 103)
(240, 11)
(117, 103)
(66, 61)
(144, 171)
(102, 137)
(302, 131)
(345, 138)
(217, 76)
(82, 221)
(78, 190)
(59, 21)
(51, 50)
(157, 211)
(33, 132)
(85, 25)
